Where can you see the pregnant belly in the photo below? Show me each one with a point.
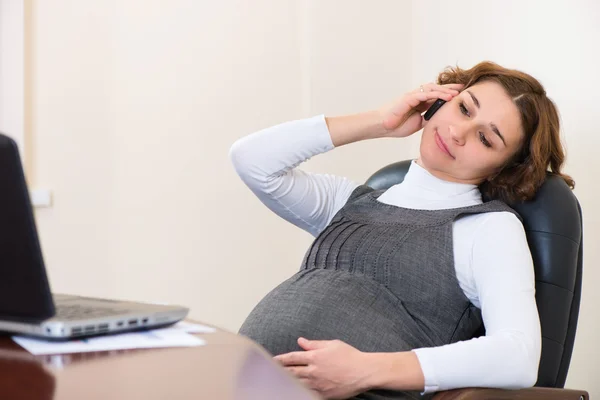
(324, 305)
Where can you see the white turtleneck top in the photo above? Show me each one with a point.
(492, 259)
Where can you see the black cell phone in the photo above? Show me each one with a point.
(432, 110)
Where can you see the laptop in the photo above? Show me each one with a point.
(27, 305)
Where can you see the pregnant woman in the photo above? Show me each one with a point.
(397, 282)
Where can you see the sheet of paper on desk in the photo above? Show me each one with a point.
(189, 327)
(175, 336)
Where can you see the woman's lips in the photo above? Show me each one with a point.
(441, 144)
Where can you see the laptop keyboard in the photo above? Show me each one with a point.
(70, 312)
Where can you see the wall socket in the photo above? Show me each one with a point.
(41, 197)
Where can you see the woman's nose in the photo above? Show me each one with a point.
(457, 134)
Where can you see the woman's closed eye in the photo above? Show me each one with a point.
(482, 138)
(463, 109)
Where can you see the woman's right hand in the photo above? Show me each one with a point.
(403, 117)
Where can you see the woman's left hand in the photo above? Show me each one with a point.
(332, 368)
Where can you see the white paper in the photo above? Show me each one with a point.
(175, 336)
(188, 327)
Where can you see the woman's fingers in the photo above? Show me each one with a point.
(452, 88)
(431, 92)
(455, 86)
(403, 110)
(415, 99)
(400, 113)
(300, 372)
(425, 105)
(294, 358)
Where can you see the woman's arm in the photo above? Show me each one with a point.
(356, 127)
(266, 161)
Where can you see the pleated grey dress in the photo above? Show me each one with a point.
(380, 278)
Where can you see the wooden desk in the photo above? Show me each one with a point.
(227, 367)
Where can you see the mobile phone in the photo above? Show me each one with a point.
(432, 110)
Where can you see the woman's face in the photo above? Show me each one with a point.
(471, 137)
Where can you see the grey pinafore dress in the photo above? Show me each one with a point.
(380, 278)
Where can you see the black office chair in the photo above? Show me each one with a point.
(553, 225)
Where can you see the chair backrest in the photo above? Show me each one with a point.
(553, 224)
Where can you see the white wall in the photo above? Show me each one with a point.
(12, 102)
(134, 105)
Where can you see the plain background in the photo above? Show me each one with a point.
(131, 107)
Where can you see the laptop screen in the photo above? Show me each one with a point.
(24, 290)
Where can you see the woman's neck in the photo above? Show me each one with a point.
(422, 190)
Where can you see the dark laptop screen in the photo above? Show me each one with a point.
(24, 289)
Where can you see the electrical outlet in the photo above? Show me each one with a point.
(41, 198)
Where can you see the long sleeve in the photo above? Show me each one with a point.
(508, 356)
(266, 161)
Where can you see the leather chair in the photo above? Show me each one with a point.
(553, 224)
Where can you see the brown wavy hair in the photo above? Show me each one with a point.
(541, 151)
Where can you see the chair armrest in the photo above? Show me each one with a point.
(533, 393)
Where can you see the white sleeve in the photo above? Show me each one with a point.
(266, 161)
(508, 356)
